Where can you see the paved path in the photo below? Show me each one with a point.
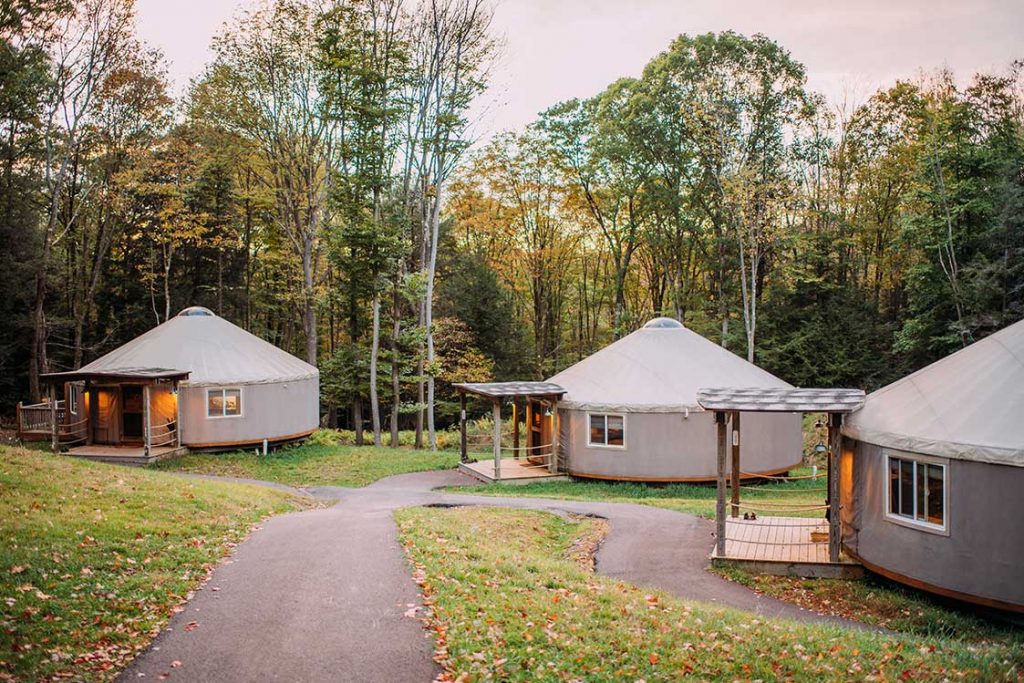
(321, 595)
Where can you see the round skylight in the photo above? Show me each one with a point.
(663, 324)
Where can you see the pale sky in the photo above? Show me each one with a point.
(558, 49)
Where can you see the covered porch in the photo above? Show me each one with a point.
(128, 415)
(531, 451)
(779, 538)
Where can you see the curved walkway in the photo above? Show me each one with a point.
(326, 594)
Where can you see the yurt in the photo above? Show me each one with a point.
(201, 376)
(932, 473)
(630, 410)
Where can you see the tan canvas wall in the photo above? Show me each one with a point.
(269, 411)
(107, 428)
(982, 556)
(672, 446)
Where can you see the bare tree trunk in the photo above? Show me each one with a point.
(435, 229)
(309, 304)
(374, 347)
(396, 388)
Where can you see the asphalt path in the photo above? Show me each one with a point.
(327, 594)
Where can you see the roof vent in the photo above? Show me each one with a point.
(195, 311)
(663, 324)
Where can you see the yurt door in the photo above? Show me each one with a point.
(540, 433)
(131, 413)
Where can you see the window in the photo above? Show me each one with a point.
(608, 431)
(916, 491)
(223, 402)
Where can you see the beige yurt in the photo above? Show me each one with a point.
(630, 410)
(932, 474)
(231, 387)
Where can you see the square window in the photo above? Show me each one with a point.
(215, 403)
(232, 401)
(916, 492)
(606, 431)
(616, 430)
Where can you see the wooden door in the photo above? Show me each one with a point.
(131, 413)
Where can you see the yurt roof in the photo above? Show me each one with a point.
(213, 350)
(658, 368)
(969, 405)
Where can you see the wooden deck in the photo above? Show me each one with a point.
(782, 545)
(513, 471)
(125, 455)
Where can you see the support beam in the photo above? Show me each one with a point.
(735, 483)
(497, 440)
(555, 428)
(147, 428)
(720, 506)
(515, 428)
(177, 414)
(834, 523)
(54, 438)
(463, 455)
(529, 425)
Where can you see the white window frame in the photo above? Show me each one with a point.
(625, 431)
(912, 522)
(223, 391)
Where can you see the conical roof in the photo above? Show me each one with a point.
(968, 406)
(658, 368)
(213, 350)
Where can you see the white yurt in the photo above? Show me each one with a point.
(239, 389)
(630, 410)
(932, 474)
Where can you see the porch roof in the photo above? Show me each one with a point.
(135, 374)
(758, 400)
(511, 389)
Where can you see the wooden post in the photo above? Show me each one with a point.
(529, 425)
(54, 439)
(497, 439)
(177, 414)
(555, 428)
(515, 428)
(146, 427)
(834, 523)
(90, 426)
(463, 455)
(735, 507)
(20, 428)
(720, 506)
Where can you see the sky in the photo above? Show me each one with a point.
(558, 49)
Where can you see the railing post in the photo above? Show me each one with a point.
(553, 460)
(515, 428)
(146, 427)
(20, 427)
(54, 439)
(735, 511)
(834, 523)
(463, 455)
(497, 439)
(720, 506)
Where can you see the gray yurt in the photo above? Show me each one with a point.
(932, 474)
(239, 390)
(631, 413)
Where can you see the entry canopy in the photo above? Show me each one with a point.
(511, 389)
(757, 400)
(967, 406)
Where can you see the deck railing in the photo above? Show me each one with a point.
(163, 435)
(38, 417)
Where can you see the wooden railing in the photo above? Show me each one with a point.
(38, 417)
(163, 435)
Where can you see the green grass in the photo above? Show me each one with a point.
(882, 603)
(509, 602)
(314, 464)
(695, 499)
(94, 559)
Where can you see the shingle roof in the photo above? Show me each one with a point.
(781, 400)
(510, 389)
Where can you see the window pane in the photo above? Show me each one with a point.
(597, 429)
(616, 431)
(935, 494)
(232, 401)
(894, 486)
(215, 403)
(920, 490)
(906, 488)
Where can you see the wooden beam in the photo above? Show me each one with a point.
(553, 459)
(497, 439)
(529, 425)
(735, 482)
(720, 506)
(177, 414)
(54, 439)
(515, 428)
(146, 427)
(463, 455)
(834, 523)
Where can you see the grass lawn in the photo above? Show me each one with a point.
(509, 601)
(315, 464)
(696, 499)
(94, 559)
(882, 603)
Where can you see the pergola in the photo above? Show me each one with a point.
(497, 393)
(730, 402)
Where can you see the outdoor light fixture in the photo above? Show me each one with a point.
(820, 448)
